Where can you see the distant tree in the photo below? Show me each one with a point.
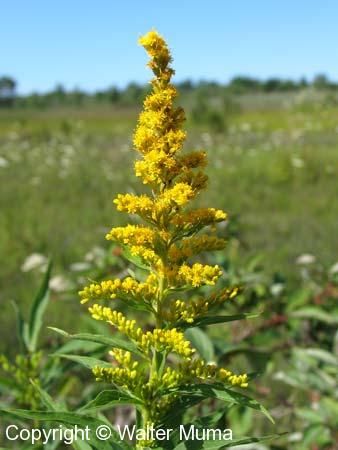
(113, 94)
(272, 84)
(132, 94)
(203, 113)
(243, 84)
(7, 91)
(321, 81)
(59, 95)
(100, 96)
(277, 84)
(36, 100)
(76, 97)
(185, 86)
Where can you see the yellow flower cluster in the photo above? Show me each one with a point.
(197, 368)
(167, 341)
(235, 380)
(23, 371)
(185, 311)
(157, 48)
(129, 375)
(125, 289)
(158, 136)
(117, 319)
(194, 245)
(132, 235)
(171, 378)
(139, 239)
(198, 218)
(124, 358)
(123, 377)
(134, 204)
(172, 234)
(188, 311)
(153, 210)
(199, 274)
(161, 340)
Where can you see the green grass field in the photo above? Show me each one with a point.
(275, 171)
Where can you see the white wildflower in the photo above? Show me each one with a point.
(306, 258)
(3, 162)
(276, 289)
(34, 261)
(296, 162)
(80, 266)
(59, 284)
(334, 269)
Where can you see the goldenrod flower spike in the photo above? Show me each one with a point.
(169, 236)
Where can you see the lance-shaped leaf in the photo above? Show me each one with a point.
(222, 443)
(312, 312)
(22, 327)
(201, 341)
(47, 399)
(38, 309)
(109, 341)
(218, 391)
(108, 398)
(86, 361)
(211, 320)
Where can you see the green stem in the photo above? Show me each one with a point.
(159, 303)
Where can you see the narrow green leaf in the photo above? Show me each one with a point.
(310, 415)
(312, 312)
(86, 361)
(211, 320)
(297, 299)
(109, 341)
(8, 384)
(47, 399)
(81, 347)
(211, 420)
(22, 327)
(225, 394)
(108, 398)
(174, 417)
(321, 354)
(81, 445)
(57, 407)
(223, 443)
(201, 341)
(38, 309)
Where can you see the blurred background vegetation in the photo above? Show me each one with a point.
(273, 166)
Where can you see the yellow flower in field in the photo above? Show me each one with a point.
(169, 236)
(199, 274)
(134, 204)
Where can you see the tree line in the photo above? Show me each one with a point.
(134, 92)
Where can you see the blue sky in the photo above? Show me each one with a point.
(92, 44)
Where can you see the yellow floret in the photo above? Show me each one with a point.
(199, 274)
